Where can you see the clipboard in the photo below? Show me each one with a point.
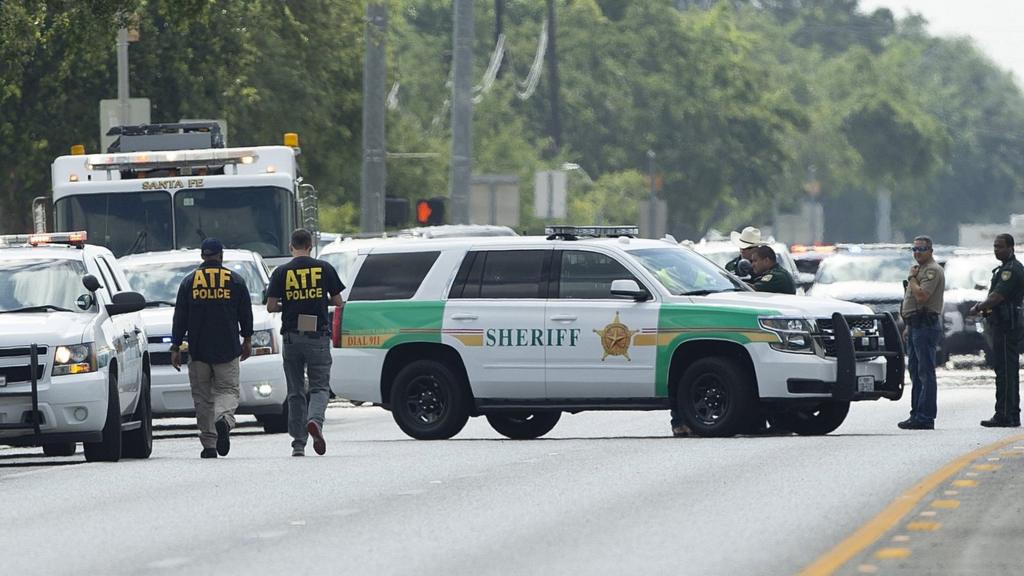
(307, 323)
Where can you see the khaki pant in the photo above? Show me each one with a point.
(215, 394)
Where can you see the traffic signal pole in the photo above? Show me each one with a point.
(462, 112)
(374, 175)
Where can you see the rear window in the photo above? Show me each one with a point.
(503, 274)
(392, 276)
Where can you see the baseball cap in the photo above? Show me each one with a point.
(211, 246)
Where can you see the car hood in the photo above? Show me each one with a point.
(784, 304)
(959, 296)
(51, 328)
(159, 321)
(860, 291)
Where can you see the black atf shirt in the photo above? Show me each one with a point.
(304, 286)
(213, 308)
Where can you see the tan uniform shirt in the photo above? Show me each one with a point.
(933, 281)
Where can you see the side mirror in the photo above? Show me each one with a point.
(630, 289)
(91, 283)
(744, 268)
(125, 303)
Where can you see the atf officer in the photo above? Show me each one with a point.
(769, 275)
(301, 291)
(213, 310)
(922, 315)
(1002, 307)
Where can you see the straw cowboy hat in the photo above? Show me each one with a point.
(749, 237)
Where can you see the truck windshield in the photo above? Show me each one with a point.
(256, 218)
(126, 223)
(159, 281)
(40, 283)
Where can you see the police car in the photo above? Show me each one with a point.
(522, 329)
(263, 390)
(74, 360)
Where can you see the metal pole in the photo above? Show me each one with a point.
(374, 177)
(652, 208)
(462, 111)
(124, 106)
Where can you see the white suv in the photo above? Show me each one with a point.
(74, 360)
(522, 329)
(263, 390)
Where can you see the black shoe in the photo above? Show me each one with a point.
(223, 437)
(910, 424)
(208, 453)
(319, 444)
(998, 421)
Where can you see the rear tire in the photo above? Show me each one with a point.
(138, 443)
(714, 398)
(429, 401)
(523, 425)
(275, 423)
(109, 448)
(60, 449)
(817, 422)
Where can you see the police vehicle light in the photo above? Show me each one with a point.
(247, 159)
(73, 178)
(74, 359)
(70, 238)
(592, 231)
(77, 149)
(263, 390)
(171, 159)
(291, 139)
(271, 169)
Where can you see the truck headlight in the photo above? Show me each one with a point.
(263, 343)
(74, 359)
(794, 333)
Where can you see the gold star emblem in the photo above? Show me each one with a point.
(616, 338)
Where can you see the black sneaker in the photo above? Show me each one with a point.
(319, 444)
(223, 437)
(208, 453)
(296, 452)
(998, 421)
(916, 425)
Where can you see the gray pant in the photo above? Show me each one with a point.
(306, 354)
(215, 394)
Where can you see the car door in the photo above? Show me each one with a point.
(494, 317)
(610, 350)
(126, 334)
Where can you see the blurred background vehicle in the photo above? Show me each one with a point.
(867, 276)
(968, 273)
(722, 251)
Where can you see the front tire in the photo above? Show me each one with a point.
(523, 425)
(109, 448)
(817, 422)
(429, 401)
(60, 449)
(714, 398)
(138, 443)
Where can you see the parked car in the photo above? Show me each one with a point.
(263, 390)
(968, 273)
(870, 277)
(721, 252)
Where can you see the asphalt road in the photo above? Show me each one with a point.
(605, 493)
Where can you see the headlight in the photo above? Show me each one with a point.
(263, 342)
(73, 359)
(794, 333)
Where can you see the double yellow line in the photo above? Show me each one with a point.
(869, 533)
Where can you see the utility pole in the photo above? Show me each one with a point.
(462, 111)
(652, 203)
(123, 95)
(374, 177)
(555, 84)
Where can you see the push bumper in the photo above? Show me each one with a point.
(848, 386)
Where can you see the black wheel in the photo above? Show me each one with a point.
(523, 425)
(109, 448)
(715, 399)
(60, 449)
(275, 423)
(428, 401)
(138, 443)
(817, 422)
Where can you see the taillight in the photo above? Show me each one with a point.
(336, 326)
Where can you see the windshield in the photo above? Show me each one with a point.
(887, 268)
(27, 283)
(256, 218)
(126, 223)
(342, 262)
(683, 272)
(966, 273)
(159, 281)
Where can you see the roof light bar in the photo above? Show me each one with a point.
(173, 159)
(76, 239)
(592, 231)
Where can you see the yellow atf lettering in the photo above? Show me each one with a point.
(199, 280)
(290, 281)
(314, 276)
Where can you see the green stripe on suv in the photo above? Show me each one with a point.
(386, 324)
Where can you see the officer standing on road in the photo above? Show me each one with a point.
(746, 241)
(213, 309)
(769, 276)
(301, 290)
(1002, 308)
(922, 315)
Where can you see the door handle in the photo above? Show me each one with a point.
(563, 318)
(464, 317)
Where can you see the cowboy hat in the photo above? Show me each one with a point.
(749, 237)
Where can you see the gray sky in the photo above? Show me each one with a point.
(994, 25)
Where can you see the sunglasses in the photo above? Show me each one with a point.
(920, 249)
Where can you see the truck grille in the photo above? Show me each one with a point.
(865, 332)
(21, 373)
(22, 351)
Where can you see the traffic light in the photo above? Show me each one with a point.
(396, 212)
(430, 212)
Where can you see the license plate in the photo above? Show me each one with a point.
(865, 383)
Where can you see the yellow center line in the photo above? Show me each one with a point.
(885, 520)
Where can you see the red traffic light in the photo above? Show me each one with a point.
(423, 211)
(430, 211)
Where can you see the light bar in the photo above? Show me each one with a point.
(593, 231)
(170, 159)
(68, 238)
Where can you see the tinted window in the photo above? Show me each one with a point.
(392, 276)
(126, 223)
(589, 275)
(512, 274)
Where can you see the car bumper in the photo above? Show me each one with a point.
(356, 374)
(262, 388)
(78, 416)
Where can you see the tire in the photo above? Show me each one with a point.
(714, 398)
(138, 443)
(429, 401)
(817, 422)
(275, 423)
(109, 448)
(524, 425)
(60, 449)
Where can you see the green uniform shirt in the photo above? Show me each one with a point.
(776, 279)
(1007, 280)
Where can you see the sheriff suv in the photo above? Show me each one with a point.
(522, 329)
(74, 361)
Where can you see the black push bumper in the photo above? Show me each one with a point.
(35, 417)
(848, 353)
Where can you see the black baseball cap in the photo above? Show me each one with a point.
(211, 246)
